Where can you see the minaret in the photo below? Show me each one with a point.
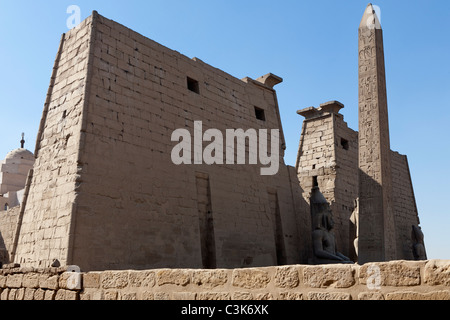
(376, 218)
(22, 142)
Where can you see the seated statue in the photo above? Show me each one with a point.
(324, 242)
(418, 243)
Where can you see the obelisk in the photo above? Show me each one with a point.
(376, 220)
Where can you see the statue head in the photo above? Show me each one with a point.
(322, 217)
(416, 234)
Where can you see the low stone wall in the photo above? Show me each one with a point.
(396, 280)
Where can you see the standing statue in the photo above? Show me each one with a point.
(354, 218)
(324, 242)
(418, 244)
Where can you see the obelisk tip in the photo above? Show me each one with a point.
(370, 19)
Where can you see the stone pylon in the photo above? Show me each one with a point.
(376, 223)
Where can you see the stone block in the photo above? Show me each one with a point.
(4, 295)
(49, 295)
(210, 278)
(64, 294)
(250, 278)
(47, 281)
(20, 294)
(70, 281)
(128, 296)
(29, 294)
(329, 296)
(333, 276)
(437, 272)
(393, 273)
(91, 280)
(39, 294)
(161, 296)
(286, 277)
(86, 296)
(147, 295)
(110, 295)
(291, 296)
(30, 280)
(411, 295)
(213, 296)
(370, 296)
(2, 281)
(175, 276)
(265, 296)
(14, 280)
(91, 295)
(12, 294)
(184, 296)
(114, 279)
(144, 279)
(242, 296)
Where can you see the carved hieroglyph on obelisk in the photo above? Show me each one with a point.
(376, 219)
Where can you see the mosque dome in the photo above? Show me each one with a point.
(20, 153)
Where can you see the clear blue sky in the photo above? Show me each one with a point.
(312, 45)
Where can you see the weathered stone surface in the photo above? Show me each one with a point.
(20, 294)
(335, 276)
(261, 283)
(110, 295)
(184, 296)
(291, 296)
(12, 294)
(49, 281)
(39, 294)
(29, 294)
(213, 296)
(437, 272)
(31, 280)
(370, 296)
(394, 273)
(49, 295)
(410, 295)
(86, 296)
(128, 296)
(329, 296)
(63, 294)
(147, 295)
(114, 279)
(242, 296)
(209, 278)
(92, 295)
(91, 280)
(265, 296)
(145, 279)
(14, 280)
(250, 278)
(286, 277)
(70, 280)
(161, 296)
(176, 276)
(4, 295)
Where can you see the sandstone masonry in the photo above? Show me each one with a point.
(398, 280)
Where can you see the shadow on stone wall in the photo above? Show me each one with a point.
(4, 256)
